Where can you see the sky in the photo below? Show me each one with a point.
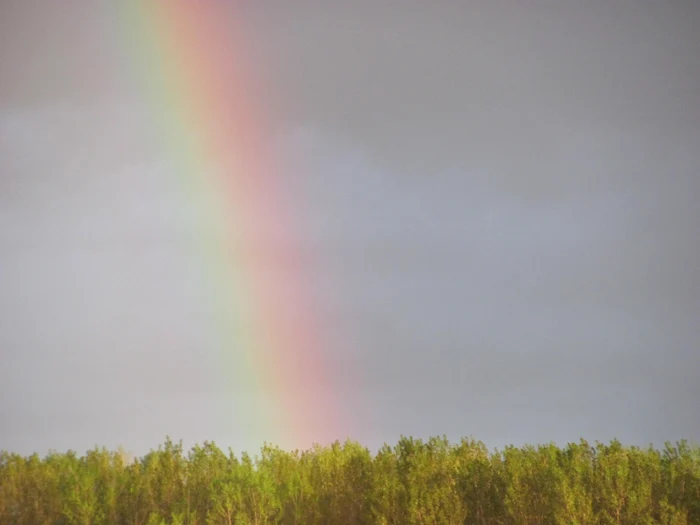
(498, 198)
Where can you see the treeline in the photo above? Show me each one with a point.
(415, 482)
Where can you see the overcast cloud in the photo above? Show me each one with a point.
(499, 200)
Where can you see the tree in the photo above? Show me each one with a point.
(429, 472)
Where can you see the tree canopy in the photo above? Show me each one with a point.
(414, 482)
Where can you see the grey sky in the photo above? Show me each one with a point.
(500, 199)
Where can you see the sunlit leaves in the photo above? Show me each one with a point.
(415, 482)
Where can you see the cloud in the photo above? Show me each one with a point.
(451, 287)
(497, 212)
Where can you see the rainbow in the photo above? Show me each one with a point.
(206, 102)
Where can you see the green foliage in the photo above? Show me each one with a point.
(415, 482)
